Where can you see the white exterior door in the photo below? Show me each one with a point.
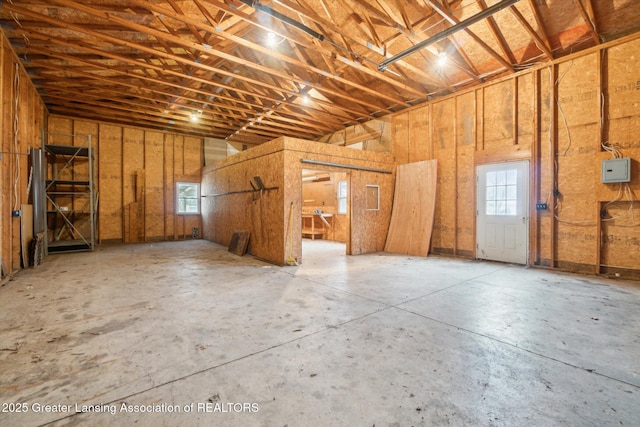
(502, 212)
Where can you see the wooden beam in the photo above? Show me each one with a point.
(453, 21)
(588, 19)
(497, 34)
(540, 43)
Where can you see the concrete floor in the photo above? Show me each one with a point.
(373, 340)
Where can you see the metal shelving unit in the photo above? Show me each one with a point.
(70, 217)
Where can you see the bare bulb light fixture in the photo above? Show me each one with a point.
(442, 59)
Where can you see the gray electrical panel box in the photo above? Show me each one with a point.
(616, 170)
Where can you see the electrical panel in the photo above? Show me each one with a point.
(616, 170)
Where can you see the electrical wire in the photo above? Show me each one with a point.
(611, 148)
(16, 131)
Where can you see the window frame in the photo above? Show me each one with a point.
(373, 205)
(343, 209)
(179, 211)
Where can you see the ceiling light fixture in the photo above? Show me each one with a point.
(442, 59)
(448, 32)
(271, 38)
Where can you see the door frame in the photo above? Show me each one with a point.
(529, 217)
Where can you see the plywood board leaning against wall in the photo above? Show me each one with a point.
(413, 209)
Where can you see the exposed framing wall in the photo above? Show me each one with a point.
(136, 171)
(556, 117)
(14, 161)
(229, 206)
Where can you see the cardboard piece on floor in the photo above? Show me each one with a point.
(413, 210)
(239, 242)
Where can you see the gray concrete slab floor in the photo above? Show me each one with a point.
(186, 334)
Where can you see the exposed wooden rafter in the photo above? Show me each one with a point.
(153, 63)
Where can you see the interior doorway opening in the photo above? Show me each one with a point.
(325, 212)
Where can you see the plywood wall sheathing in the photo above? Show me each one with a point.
(578, 142)
(419, 148)
(14, 161)
(620, 249)
(279, 164)
(465, 174)
(554, 117)
(375, 135)
(136, 171)
(110, 210)
(547, 166)
(154, 185)
(499, 115)
(444, 150)
(400, 135)
(169, 187)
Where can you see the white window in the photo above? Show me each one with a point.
(342, 197)
(188, 198)
(502, 194)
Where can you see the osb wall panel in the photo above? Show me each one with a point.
(154, 185)
(578, 88)
(400, 135)
(552, 117)
(14, 160)
(623, 95)
(375, 135)
(499, 115)
(444, 150)
(621, 225)
(110, 183)
(419, 142)
(465, 181)
(545, 164)
(526, 109)
(621, 237)
(369, 227)
(169, 187)
(279, 164)
(229, 205)
(135, 172)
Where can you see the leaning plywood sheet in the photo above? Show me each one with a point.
(26, 233)
(413, 209)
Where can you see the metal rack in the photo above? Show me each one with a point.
(70, 217)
